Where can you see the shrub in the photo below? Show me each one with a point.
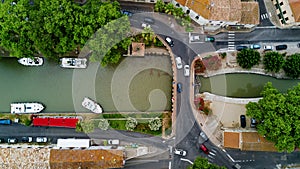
(103, 124)
(155, 124)
(131, 124)
(223, 55)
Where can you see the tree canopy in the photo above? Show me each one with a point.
(51, 28)
(247, 58)
(273, 61)
(202, 163)
(292, 65)
(278, 116)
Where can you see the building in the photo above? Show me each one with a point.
(221, 13)
(288, 11)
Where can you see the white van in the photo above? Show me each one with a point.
(178, 62)
(186, 70)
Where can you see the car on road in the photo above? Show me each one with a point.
(268, 47)
(180, 152)
(204, 148)
(41, 139)
(26, 139)
(203, 137)
(281, 47)
(239, 48)
(209, 39)
(179, 87)
(186, 70)
(253, 123)
(169, 41)
(12, 141)
(243, 121)
(178, 62)
(255, 46)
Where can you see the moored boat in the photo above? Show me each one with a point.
(16, 108)
(73, 63)
(91, 105)
(36, 61)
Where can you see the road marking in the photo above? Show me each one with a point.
(212, 153)
(270, 14)
(187, 160)
(170, 164)
(213, 150)
(211, 156)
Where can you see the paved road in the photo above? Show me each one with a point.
(264, 18)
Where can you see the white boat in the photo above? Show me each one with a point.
(91, 105)
(16, 108)
(36, 61)
(73, 63)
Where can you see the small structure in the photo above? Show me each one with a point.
(136, 49)
(56, 121)
(73, 143)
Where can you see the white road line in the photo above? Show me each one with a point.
(230, 42)
(230, 37)
(266, 14)
(262, 17)
(213, 150)
(212, 153)
(170, 164)
(211, 156)
(187, 160)
(231, 34)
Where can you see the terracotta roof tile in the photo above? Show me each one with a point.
(295, 6)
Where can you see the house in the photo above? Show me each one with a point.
(288, 11)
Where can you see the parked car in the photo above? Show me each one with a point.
(113, 142)
(243, 121)
(41, 139)
(268, 47)
(209, 39)
(255, 46)
(169, 41)
(180, 152)
(186, 70)
(12, 140)
(145, 25)
(2, 140)
(26, 139)
(204, 148)
(149, 20)
(239, 48)
(128, 13)
(281, 47)
(253, 123)
(179, 87)
(298, 45)
(178, 62)
(5, 121)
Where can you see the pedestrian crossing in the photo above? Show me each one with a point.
(265, 16)
(231, 40)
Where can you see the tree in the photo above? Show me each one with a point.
(159, 6)
(103, 124)
(86, 127)
(131, 124)
(273, 61)
(279, 116)
(247, 58)
(202, 163)
(292, 65)
(155, 124)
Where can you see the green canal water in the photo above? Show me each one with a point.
(243, 85)
(136, 84)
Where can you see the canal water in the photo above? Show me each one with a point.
(136, 84)
(243, 85)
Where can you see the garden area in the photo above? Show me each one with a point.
(156, 123)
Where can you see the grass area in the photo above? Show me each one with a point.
(23, 118)
(133, 115)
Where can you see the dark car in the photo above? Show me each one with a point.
(26, 139)
(298, 45)
(179, 87)
(209, 39)
(2, 140)
(243, 121)
(204, 148)
(239, 48)
(281, 47)
(253, 123)
(149, 20)
(128, 13)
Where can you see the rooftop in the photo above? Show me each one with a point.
(295, 6)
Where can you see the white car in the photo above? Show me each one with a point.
(169, 41)
(180, 152)
(41, 139)
(268, 47)
(186, 70)
(178, 62)
(144, 25)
